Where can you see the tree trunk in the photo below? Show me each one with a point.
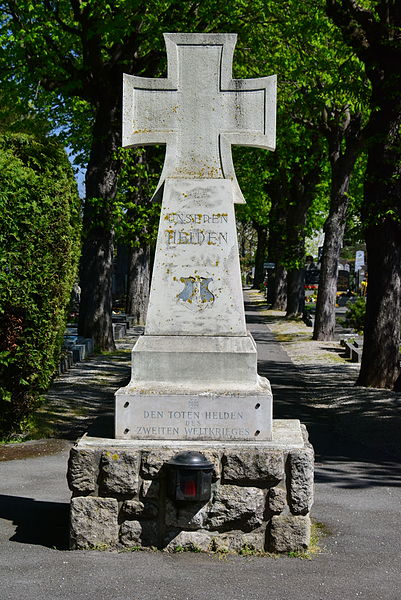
(98, 245)
(325, 320)
(295, 292)
(381, 346)
(138, 284)
(260, 256)
(342, 125)
(279, 300)
(376, 44)
(381, 349)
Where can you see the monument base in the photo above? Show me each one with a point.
(262, 493)
(195, 388)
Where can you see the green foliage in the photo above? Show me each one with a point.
(39, 247)
(355, 315)
(136, 214)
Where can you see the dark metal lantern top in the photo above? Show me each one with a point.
(190, 460)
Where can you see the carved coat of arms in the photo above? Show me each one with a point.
(196, 294)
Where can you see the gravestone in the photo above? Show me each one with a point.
(194, 383)
(194, 371)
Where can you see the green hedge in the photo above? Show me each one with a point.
(39, 249)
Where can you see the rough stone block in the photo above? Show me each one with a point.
(301, 470)
(93, 522)
(215, 458)
(191, 540)
(289, 533)
(138, 533)
(237, 541)
(132, 509)
(276, 501)
(119, 472)
(236, 507)
(153, 460)
(82, 471)
(253, 468)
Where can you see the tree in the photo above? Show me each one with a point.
(372, 31)
(137, 223)
(343, 133)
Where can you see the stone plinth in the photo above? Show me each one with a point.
(261, 494)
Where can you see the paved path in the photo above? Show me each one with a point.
(358, 498)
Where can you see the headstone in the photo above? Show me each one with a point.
(359, 260)
(194, 372)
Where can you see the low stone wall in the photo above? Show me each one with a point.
(261, 496)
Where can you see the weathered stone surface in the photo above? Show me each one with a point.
(130, 533)
(153, 460)
(237, 541)
(199, 110)
(253, 468)
(232, 507)
(289, 533)
(138, 533)
(301, 470)
(82, 471)
(172, 376)
(191, 540)
(236, 507)
(186, 516)
(134, 509)
(276, 501)
(215, 459)
(196, 349)
(119, 472)
(93, 522)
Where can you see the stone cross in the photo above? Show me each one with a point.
(199, 111)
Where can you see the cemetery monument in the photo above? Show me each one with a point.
(194, 385)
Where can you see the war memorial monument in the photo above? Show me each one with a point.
(197, 460)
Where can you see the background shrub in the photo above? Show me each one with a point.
(355, 315)
(39, 249)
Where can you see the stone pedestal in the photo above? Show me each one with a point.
(261, 494)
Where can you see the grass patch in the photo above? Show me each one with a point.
(318, 531)
(187, 548)
(115, 353)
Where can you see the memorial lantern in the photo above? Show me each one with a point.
(189, 477)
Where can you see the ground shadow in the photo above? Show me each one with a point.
(358, 474)
(37, 522)
(345, 422)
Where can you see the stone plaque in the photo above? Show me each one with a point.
(194, 417)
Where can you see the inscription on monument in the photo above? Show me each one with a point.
(211, 417)
(195, 235)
